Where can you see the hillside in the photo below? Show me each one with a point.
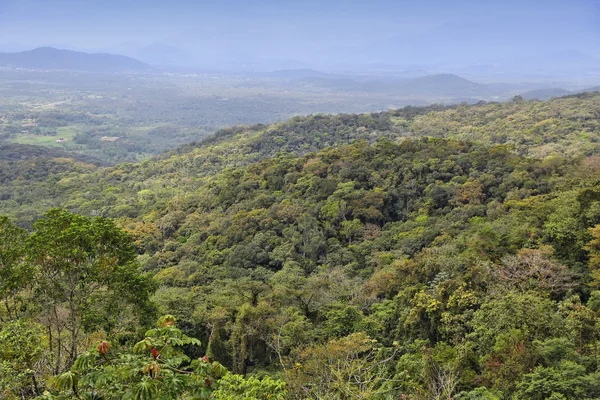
(12, 152)
(32, 172)
(429, 86)
(49, 58)
(564, 125)
(34, 164)
(545, 94)
(406, 248)
(443, 84)
(560, 127)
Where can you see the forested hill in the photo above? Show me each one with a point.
(568, 126)
(443, 251)
(22, 153)
(558, 126)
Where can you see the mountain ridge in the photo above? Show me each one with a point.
(429, 85)
(50, 58)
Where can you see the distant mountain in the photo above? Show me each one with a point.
(446, 85)
(49, 58)
(593, 89)
(301, 73)
(545, 94)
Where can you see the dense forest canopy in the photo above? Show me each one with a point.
(445, 252)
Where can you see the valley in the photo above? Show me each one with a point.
(128, 117)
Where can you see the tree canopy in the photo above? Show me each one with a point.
(448, 253)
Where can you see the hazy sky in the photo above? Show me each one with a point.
(310, 31)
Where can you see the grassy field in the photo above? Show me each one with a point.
(64, 132)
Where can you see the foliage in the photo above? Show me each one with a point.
(157, 368)
(419, 253)
(352, 367)
(22, 349)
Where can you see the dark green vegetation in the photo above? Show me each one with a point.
(421, 253)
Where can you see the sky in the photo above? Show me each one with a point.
(311, 33)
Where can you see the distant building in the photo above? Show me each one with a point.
(61, 140)
(109, 138)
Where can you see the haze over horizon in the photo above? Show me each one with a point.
(497, 36)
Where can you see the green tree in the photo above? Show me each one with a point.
(22, 350)
(156, 369)
(352, 367)
(570, 380)
(593, 248)
(237, 387)
(15, 274)
(86, 277)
